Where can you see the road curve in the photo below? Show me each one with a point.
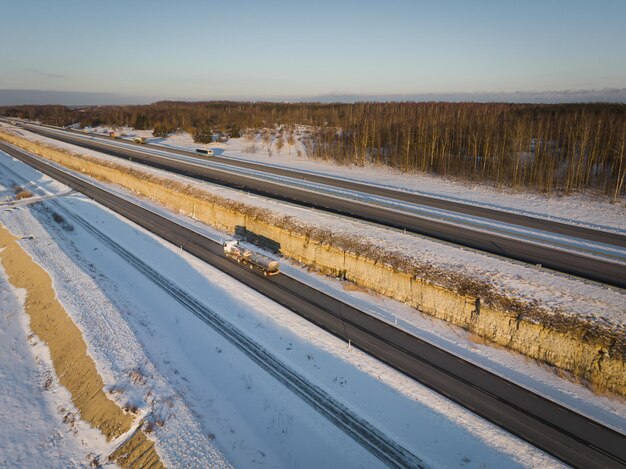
(588, 267)
(567, 435)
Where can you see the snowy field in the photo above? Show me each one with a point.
(594, 211)
(216, 405)
(32, 405)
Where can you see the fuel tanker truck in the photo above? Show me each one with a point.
(255, 260)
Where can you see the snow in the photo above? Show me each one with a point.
(207, 392)
(32, 403)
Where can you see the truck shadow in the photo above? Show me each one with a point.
(156, 140)
(257, 239)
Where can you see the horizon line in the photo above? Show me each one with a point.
(24, 97)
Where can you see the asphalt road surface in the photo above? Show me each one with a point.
(588, 267)
(567, 435)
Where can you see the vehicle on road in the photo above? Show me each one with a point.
(201, 152)
(141, 140)
(255, 260)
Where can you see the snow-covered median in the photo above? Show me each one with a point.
(39, 428)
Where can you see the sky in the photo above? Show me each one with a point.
(133, 51)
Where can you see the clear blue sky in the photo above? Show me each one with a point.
(262, 49)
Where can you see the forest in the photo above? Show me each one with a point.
(561, 148)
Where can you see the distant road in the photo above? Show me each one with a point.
(570, 262)
(569, 436)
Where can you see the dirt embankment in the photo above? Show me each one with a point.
(589, 351)
(76, 370)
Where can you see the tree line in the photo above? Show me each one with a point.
(548, 148)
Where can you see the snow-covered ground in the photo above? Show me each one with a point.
(32, 404)
(215, 403)
(590, 210)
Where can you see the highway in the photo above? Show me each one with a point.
(567, 435)
(563, 260)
